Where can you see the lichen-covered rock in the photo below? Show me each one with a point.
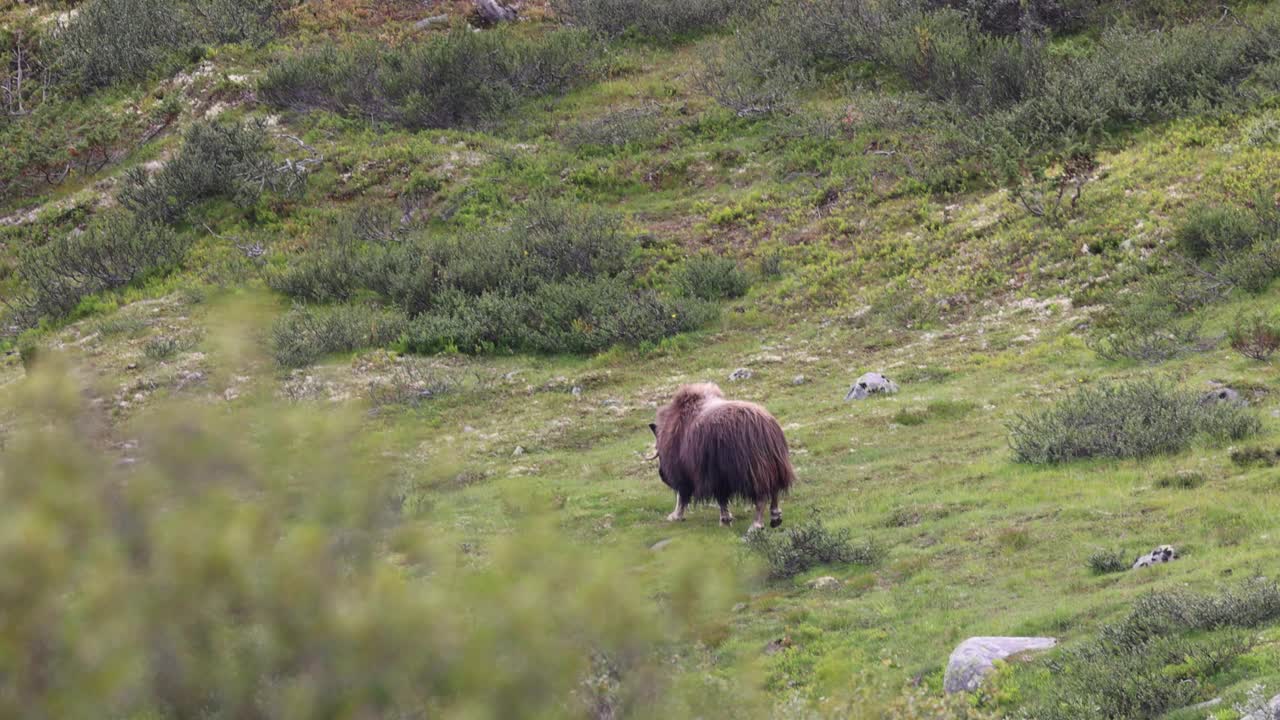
(1222, 395)
(1162, 554)
(826, 582)
(871, 384)
(974, 658)
(740, 374)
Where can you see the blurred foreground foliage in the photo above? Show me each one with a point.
(256, 564)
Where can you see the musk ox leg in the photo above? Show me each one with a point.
(682, 504)
(726, 517)
(775, 512)
(759, 523)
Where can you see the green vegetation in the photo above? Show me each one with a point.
(447, 81)
(1103, 562)
(1125, 420)
(333, 330)
(809, 545)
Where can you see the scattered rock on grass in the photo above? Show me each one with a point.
(517, 452)
(974, 658)
(826, 582)
(871, 384)
(799, 380)
(1162, 554)
(740, 374)
(1222, 395)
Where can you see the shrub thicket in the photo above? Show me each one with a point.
(1103, 562)
(710, 277)
(1133, 419)
(306, 334)
(260, 566)
(112, 253)
(1255, 336)
(217, 159)
(558, 279)
(1160, 658)
(110, 41)
(808, 545)
(445, 81)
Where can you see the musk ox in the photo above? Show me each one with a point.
(710, 448)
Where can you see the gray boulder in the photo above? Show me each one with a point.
(1222, 395)
(740, 374)
(871, 384)
(974, 658)
(1162, 554)
(1269, 711)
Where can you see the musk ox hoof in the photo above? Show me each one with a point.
(775, 522)
(726, 521)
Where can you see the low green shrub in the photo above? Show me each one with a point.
(573, 316)
(1255, 457)
(710, 277)
(267, 563)
(1255, 336)
(558, 279)
(110, 41)
(445, 81)
(305, 334)
(1182, 480)
(113, 252)
(616, 129)
(217, 159)
(808, 545)
(1104, 562)
(1133, 419)
(1160, 658)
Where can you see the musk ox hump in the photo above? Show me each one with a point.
(737, 450)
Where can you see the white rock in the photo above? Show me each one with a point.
(871, 384)
(517, 452)
(1162, 554)
(740, 374)
(826, 582)
(974, 658)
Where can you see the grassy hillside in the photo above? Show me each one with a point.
(335, 332)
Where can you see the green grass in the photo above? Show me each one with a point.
(978, 309)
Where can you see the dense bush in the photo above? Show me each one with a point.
(217, 159)
(557, 279)
(655, 19)
(260, 564)
(711, 277)
(808, 545)
(1160, 658)
(1133, 419)
(571, 316)
(1103, 562)
(306, 334)
(112, 253)
(110, 41)
(445, 81)
(1255, 336)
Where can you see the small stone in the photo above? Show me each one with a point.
(739, 607)
(517, 452)
(740, 374)
(468, 429)
(799, 380)
(826, 582)
(1162, 554)
(1222, 395)
(576, 391)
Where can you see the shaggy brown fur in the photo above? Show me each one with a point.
(710, 448)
